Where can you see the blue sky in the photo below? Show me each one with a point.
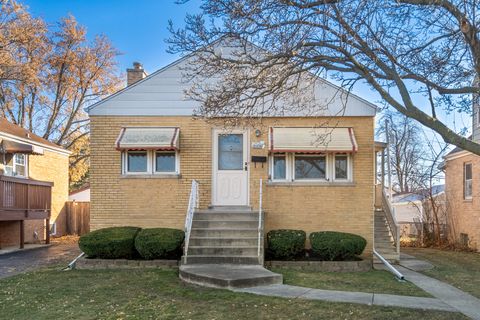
(138, 29)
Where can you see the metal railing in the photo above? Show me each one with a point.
(391, 221)
(193, 203)
(260, 213)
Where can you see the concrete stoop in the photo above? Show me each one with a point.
(228, 276)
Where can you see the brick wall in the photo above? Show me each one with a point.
(464, 215)
(154, 202)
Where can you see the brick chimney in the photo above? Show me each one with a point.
(135, 74)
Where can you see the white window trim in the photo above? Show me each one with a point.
(125, 164)
(151, 163)
(177, 163)
(465, 180)
(287, 167)
(14, 168)
(329, 168)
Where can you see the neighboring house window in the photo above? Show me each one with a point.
(307, 167)
(16, 165)
(467, 183)
(53, 228)
(150, 162)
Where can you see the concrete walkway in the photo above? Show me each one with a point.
(448, 294)
(447, 297)
(287, 291)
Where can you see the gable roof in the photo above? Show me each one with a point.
(162, 93)
(11, 130)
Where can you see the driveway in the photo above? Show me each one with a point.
(23, 261)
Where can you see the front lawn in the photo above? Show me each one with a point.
(376, 281)
(159, 294)
(460, 269)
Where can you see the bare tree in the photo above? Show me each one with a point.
(48, 75)
(420, 56)
(406, 148)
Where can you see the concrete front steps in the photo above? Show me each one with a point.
(223, 250)
(384, 243)
(228, 276)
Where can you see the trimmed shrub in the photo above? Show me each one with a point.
(336, 246)
(157, 243)
(110, 243)
(286, 244)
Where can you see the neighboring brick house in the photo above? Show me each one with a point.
(462, 173)
(146, 148)
(33, 186)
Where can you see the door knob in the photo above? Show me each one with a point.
(246, 166)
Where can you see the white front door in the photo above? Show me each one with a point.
(230, 175)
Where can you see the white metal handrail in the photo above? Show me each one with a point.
(260, 195)
(391, 220)
(193, 203)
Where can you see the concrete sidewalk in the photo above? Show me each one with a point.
(448, 294)
(287, 291)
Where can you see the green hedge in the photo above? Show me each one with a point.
(157, 243)
(336, 246)
(110, 243)
(285, 244)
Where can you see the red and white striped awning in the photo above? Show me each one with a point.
(148, 138)
(312, 140)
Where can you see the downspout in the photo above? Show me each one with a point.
(389, 266)
(71, 265)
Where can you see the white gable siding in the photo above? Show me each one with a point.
(163, 94)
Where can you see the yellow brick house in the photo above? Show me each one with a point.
(146, 149)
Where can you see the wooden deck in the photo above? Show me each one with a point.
(25, 199)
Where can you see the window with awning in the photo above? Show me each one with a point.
(148, 138)
(149, 150)
(312, 140)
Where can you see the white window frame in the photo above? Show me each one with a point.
(349, 167)
(287, 167)
(151, 163)
(125, 163)
(329, 168)
(177, 163)
(14, 167)
(465, 181)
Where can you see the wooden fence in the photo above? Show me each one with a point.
(78, 217)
